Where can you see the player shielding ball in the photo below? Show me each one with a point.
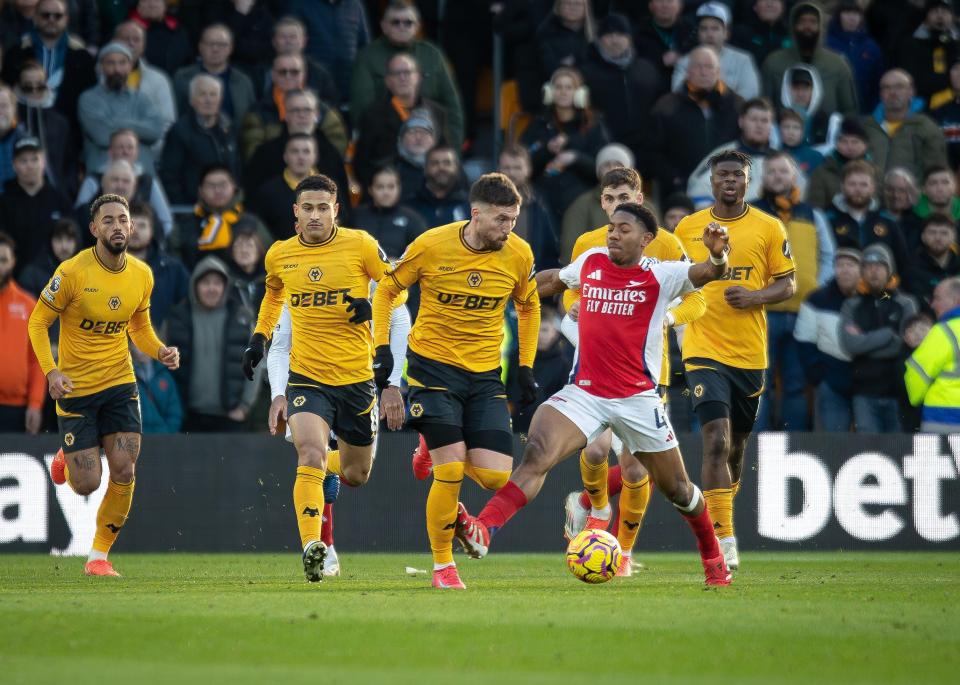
(101, 296)
(467, 271)
(725, 350)
(323, 275)
(623, 303)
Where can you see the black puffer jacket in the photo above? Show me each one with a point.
(190, 148)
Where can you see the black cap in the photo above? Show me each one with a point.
(931, 4)
(849, 6)
(27, 144)
(851, 126)
(800, 77)
(614, 23)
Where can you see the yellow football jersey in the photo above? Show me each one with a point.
(96, 306)
(759, 252)
(463, 294)
(313, 279)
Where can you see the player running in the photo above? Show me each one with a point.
(101, 296)
(391, 406)
(622, 309)
(323, 275)
(725, 351)
(466, 270)
(590, 508)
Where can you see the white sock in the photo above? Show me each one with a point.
(440, 567)
(308, 544)
(604, 513)
(96, 555)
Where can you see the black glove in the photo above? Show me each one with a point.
(382, 366)
(253, 355)
(361, 308)
(528, 386)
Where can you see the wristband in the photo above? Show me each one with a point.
(671, 319)
(718, 262)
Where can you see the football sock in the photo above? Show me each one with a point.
(442, 510)
(720, 504)
(326, 526)
(702, 526)
(333, 466)
(112, 514)
(507, 501)
(308, 502)
(614, 484)
(633, 505)
(594, 478)
(488, 479)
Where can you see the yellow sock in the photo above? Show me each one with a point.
(720, 504)
(634, 499)
(595, 481)
(488, 479)
(308, 502)
(333, 462)
(442, 509)
(112, 514)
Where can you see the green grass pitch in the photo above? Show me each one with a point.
(178, 618)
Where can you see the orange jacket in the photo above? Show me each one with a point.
(21, 380)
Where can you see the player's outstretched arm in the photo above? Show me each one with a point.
(549, 283)
(716, 240)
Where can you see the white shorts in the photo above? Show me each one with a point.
(640, 420)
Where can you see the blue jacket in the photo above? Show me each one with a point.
(335, 33)
(171, 284)
(865, 58)
(160, 406)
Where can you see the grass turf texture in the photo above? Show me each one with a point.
(790, 618)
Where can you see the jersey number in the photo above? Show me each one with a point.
(661, 421)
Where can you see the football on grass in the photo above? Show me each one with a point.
(594, 556)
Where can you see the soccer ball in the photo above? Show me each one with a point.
(594, 556)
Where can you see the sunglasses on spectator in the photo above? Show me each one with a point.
(288, 72)
(405, 23)
(52, 15)
(33, 87)
(401, 72)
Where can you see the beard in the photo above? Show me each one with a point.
(115, 83)
(807, 42)
(114, 249)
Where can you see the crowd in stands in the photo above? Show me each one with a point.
(205, 114)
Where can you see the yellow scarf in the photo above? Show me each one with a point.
(217, 231)
(785, 204)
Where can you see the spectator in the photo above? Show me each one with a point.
(16, 19)
(534, 223)
(247, 269)
(737, 68)
(665, 36)
(675, 208)
(825, 363)
(801, 92)
(934, 260)
(215, 48)
(804, 156)
(336, 32)
(250, 24)
(763, 30)
(401, 23)
(111, 105)
(417, 137)
(563, 37)
(892, 21)
(685, 126)
(124, 146)
(855, 214)
(811, 246)
(585, 212)
(442, 198)
(756, 127)
(23, 386)
(64, 243)
(551, 368)
(945, 111)
(304, 114)
(10, 133)
(564, 140)
(202, 136)
(219, 208)
(170, 277)
(622, 85)
(290, 38)
(826, 179)
(148, 80)
(939, 196)
(272, 200)
(30, 206)
(380, 124)
(932, 370)
(394, 225)
(898, 135)
(933, 47)
(41, 121)
(871, 334)
(160, 407)
(168, 46)
(847, 34)
(69, 67)
(900, 193)
(211, 330)
(839, 88)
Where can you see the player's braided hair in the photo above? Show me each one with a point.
(643, 215)
(316, 182)
(106, 199)
(495, 189)
(730, 155)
